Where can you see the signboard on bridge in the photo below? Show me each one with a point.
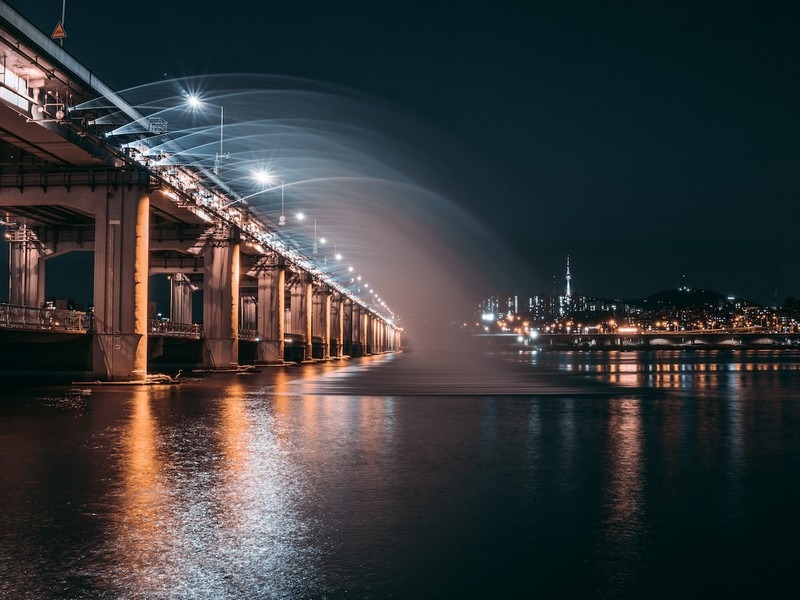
(58, 32)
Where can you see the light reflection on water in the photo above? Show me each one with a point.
(205, 502)
(623, 526)
(278, 485)
(699, 370)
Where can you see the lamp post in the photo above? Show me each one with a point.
(196, 103)
(220, 155)
(266, 178)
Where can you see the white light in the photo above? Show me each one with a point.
(338, 257)
(193, 101)
(487, 317)
(350, 269)
(322, 240)
(300, 216)
(262, 177)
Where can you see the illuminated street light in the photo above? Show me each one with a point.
(264, 177)
(196, 103)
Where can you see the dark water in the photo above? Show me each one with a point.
(553, 475)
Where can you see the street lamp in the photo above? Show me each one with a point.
(196, 103)
(264, 177)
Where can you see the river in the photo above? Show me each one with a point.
(655, 474)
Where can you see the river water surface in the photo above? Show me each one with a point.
(420, 475)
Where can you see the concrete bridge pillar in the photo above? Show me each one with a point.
(337, 324)
(122, 221)
(301, 310)
(248, 313)
(368, 332)
(26, 262)
(379, 346)
(181, 289)
(377, 334)
(271, 306)
(347, 327)
(358, 342)
(355, 330)
(389, 338)
(221, 301)
(321, 324)
(363, 329)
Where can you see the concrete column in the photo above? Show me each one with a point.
(321, 323)
(120, 284)
(181, 289)
(26, 276)
(378, 346)
(347, 327)
(366, 332)
(359, 331)
(221, 302)
(271, 307)
(355, 330)
(248, 311)
(337, 324)
(363, 327)
(301, 311)
(372, 329)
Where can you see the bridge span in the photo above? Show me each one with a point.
(65, 187)
(646, 340)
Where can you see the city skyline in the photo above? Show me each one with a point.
(565, 288)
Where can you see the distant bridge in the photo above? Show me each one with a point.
(649, 340)
(65, 188)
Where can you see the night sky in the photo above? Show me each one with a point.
(655, 143)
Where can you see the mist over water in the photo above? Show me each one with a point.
(386, 191)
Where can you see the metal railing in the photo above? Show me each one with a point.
(172, 329)
(52, 319)
(249, 335)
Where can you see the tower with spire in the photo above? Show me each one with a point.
(569, 280)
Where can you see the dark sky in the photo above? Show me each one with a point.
(649, 141)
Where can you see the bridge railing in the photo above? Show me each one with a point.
(249, 335)
(54, 319)
(172, 329)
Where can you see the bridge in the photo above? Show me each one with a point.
(744, 337)
(67, 186)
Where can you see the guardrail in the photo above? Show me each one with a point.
(248, 335)
(172, 329)
(52, 319)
